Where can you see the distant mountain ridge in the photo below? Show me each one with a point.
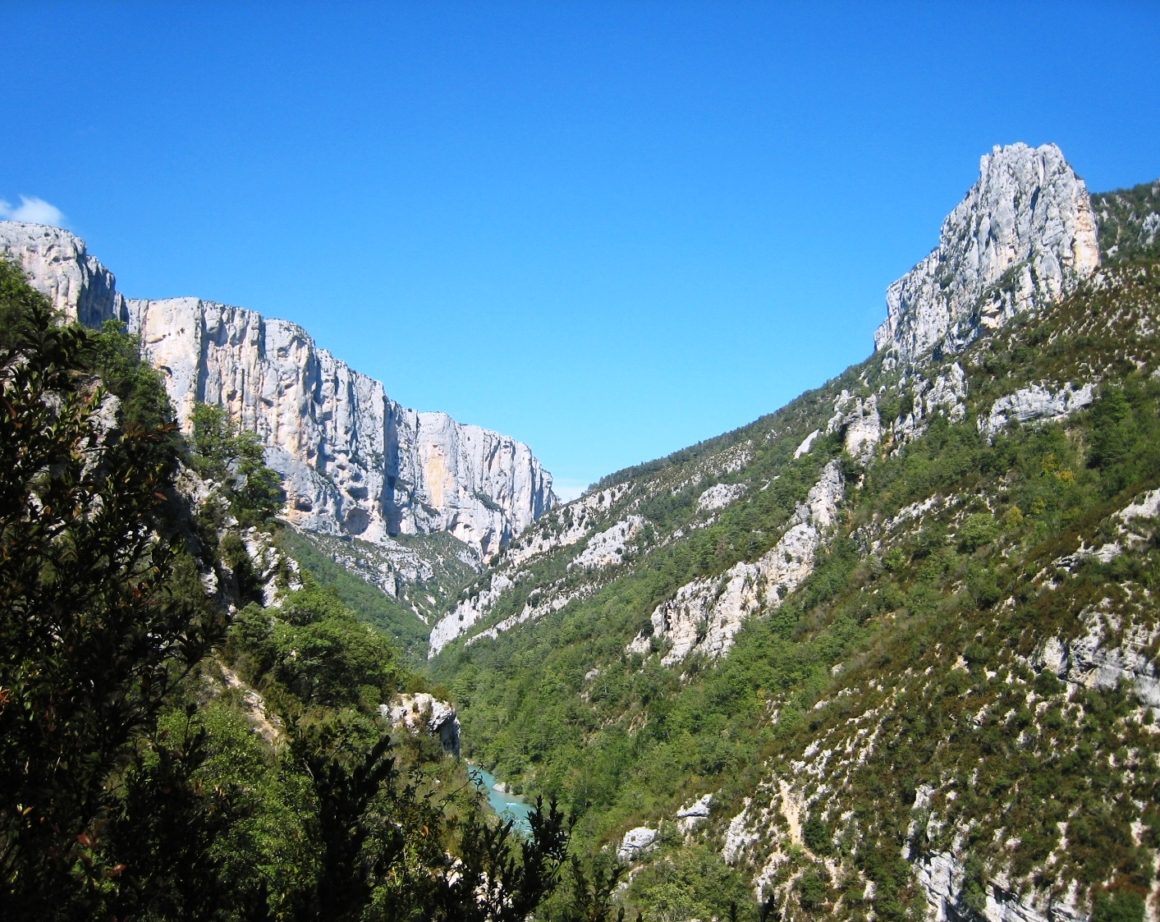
(355, 462)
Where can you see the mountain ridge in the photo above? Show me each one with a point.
(355, 462)
(1041, 244)
(890, 652)
(948, 711)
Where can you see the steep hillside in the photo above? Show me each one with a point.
(889, 652)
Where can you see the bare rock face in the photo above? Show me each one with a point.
(574, 523)
(857, 420)
(1036, 403)
(636, 843)
(940, 876)
(1024, 235)
(690, 816)
(426, 712)
(608, 548)
(60, 267)
(354, 462)
(483, 487)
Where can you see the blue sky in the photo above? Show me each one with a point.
(608, 229)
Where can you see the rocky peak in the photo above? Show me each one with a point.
(62, 268)
(1024, 235)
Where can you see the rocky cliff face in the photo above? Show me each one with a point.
(1024, 235)
(61, 267)
(705, 615)
(355, 462)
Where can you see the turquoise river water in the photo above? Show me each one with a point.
(506, 806)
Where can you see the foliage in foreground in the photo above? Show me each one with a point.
(135, 783)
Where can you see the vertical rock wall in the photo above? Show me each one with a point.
(60, 266)
(355, 462)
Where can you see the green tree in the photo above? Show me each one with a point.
(1118, 906)
(235, 459)
(1112, 431)
(93, 630)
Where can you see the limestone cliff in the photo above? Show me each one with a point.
(705, 615)
(355, 462)
(1024, 235)
(61, 267)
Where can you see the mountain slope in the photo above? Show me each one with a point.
(900, 633)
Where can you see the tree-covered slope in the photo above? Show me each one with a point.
(903, 632)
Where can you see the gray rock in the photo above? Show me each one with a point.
(945, 394)
(719, 496)
(705, 615)
(692, 815)
(1024, 235)
(636, 843)
(609, 547)
(422, 711)
(807, 444)
(857, 420)
(1035, 404)
(60, 266)
(940, 876)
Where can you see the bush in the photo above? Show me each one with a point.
(1118, 906)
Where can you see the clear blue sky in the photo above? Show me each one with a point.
(608, 229)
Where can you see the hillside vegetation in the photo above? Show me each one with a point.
(953, 710)
(887, 653)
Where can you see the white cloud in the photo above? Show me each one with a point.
(33, 210)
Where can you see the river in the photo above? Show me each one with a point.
(506, 806)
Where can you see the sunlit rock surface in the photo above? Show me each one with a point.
(354, 462)
(1024, 235)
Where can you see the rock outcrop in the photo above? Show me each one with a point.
(422, 711)
(1024, 235)
(1113, 650)
(690, 816)
(940, 876)
(857, 420)
(61, 267)
(944, 394)
(719, 496)
(608, 548)
(570, 525)
(705, 615)
(636, 843)
(1036, 403)
(354, 462)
